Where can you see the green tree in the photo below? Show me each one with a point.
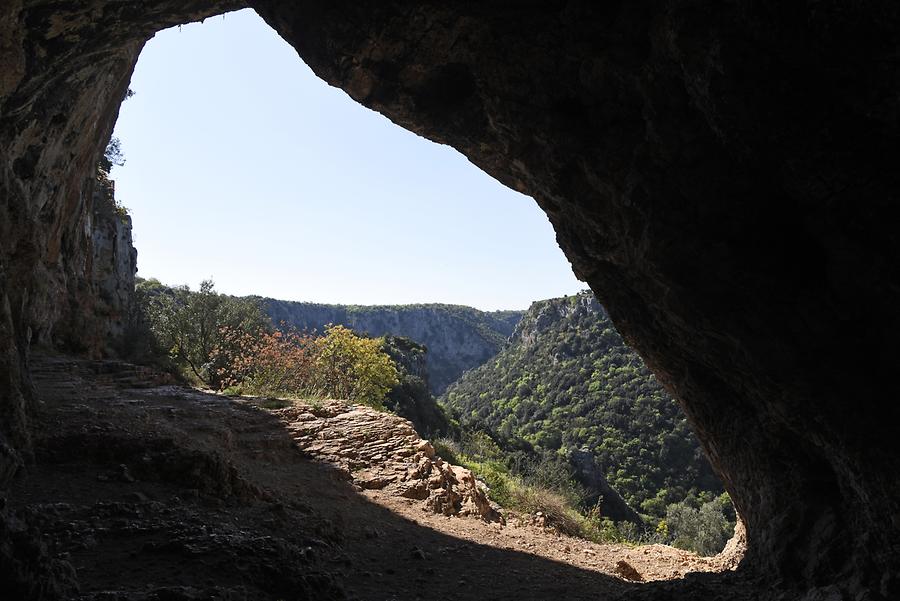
(704, 530)
(192, 325)
(353, 368)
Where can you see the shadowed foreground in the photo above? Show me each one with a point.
(158, 492)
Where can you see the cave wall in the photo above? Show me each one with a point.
(723, 175)
(112, 270)
(64, 71)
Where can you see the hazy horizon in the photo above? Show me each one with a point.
(245, 168)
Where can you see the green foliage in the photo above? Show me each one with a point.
(704, 529)
(448, 449)
(412, 398)
(228, 343)
(533, 486)
(351, 367)
(457, 337)
(191, 325)
(567, 381)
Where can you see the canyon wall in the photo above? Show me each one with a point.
(458, 338)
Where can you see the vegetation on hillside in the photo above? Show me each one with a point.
(567, 384)
(565, 387)
(412, 397)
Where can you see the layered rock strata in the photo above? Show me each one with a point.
(380, 451)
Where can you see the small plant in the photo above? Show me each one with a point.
(447, 449)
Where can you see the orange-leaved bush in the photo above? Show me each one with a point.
(267, 363)
(339, 365)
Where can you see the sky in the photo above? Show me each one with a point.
(244, 167)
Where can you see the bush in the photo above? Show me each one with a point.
(555, 474)
(703, 530)
(350, 367)
(557, 510)
(338, 365)
(447, 449)
(266, 363)
(192, 326)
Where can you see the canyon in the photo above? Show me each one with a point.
(457, 338)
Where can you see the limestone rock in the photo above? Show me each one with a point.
(627, 571)
(383, 452)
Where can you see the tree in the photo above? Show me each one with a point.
(704, 530)
(353, 368)
(192, 325)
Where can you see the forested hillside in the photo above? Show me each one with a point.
(566, 383)
(457, 337)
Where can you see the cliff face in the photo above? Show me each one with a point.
(723, 175)
(540, 318)
(96, 322)
(114, 261)
(457, 338)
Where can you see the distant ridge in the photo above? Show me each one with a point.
(458, 338)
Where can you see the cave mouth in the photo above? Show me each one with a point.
(208, 207)
(722, 176)
(284, 187)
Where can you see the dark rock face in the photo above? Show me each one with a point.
(723, 175)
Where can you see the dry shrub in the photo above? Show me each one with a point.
(554, 506)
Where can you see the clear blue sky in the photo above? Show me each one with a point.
(243, 166)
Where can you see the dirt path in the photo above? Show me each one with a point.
(157, 492)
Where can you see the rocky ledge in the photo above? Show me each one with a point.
(378, 450)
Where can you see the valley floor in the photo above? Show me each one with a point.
(149, 491)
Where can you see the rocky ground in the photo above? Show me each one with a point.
(143, 490)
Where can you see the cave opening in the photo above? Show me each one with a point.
(205, 180)
(722, 176)
(241, 164)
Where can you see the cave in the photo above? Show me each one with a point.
(723, 176)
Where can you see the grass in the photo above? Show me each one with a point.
(513, 493)
(270, 401)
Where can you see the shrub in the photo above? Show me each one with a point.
(703, 530)
(338, 365)
(447, 449)
(266, 363)
(192, 325)
(351, 367)
(554, 473)
(555, 507)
